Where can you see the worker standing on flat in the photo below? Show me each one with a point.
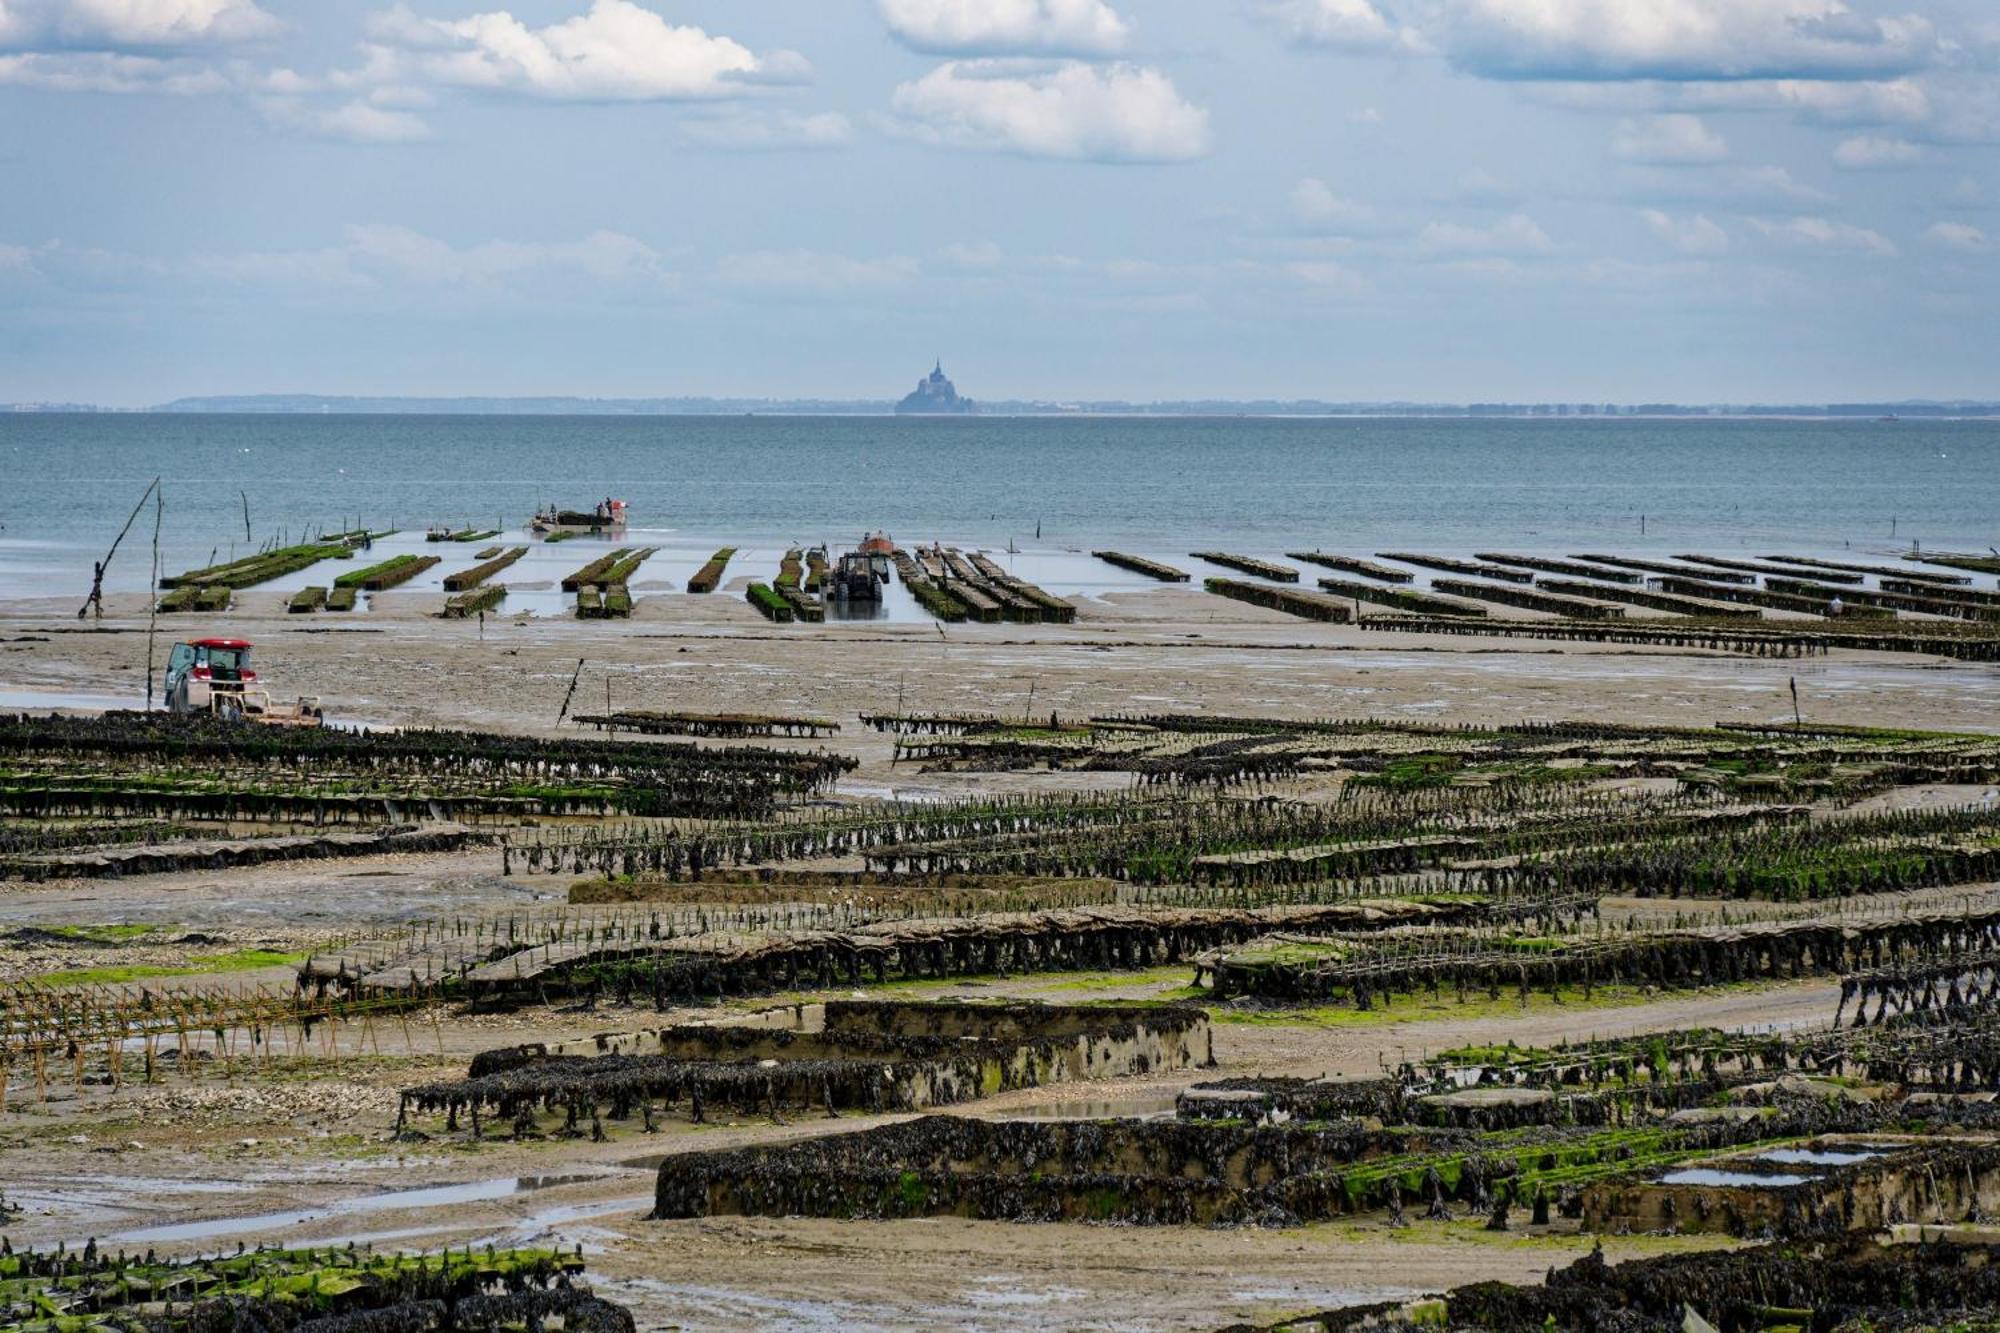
(94, 602)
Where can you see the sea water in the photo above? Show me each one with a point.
(1161, 487)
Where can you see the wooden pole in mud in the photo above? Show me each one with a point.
(572, 691)
(96, 598)
(153, 596)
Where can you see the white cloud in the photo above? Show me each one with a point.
(109, 72)
(1515, 234)
(291, 271)
(1325, 278)
(1763, 185)
(1856, 102)
(1007, 27)
(17, 261)
(1968, 110)
(122, 24)
(1491, 270)
(1696, 235)
(1117, 113)
(1675, 139)
(389, 261)
(976, 256)
(1480, 186)
(1316, 205)
(1625, 275)
(811, 273)
(351, 122)
(764, 130)
(1866, 102)
(617, 51)
(1134, 272)
(402, 98)
(1592, 40)
(1674, 39)
(1318, 280)
(1365, 115)
(1956, 236)
(1339, 25)
(1874, 152)
(284, 97)
(280, 95)
(407, 254)
(1773, 182)
(1815, 233)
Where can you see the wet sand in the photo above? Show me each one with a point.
(305, 1152)
(184, 1168)
(1169, 649)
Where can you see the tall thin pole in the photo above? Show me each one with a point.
(572, 692)
(96, 598)
(153, 592)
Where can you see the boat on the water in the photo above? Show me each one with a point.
(607, 515)
(879, 547)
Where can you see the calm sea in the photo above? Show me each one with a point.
(1154, 486)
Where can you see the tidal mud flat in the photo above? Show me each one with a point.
(1185, 965)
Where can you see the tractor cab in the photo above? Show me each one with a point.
(224, 661)
(213, 676)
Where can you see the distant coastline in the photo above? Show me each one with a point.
(330, 404)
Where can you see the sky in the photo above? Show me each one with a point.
(1433, 200)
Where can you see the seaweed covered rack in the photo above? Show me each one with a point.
(1901, 1281)
(123, 764)
(867, 1056)
(727, 982)
(645, 968)
(1375, 972)
(330, 1290)
(1691, 1131)
(1185, 1172)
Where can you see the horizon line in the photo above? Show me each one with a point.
(472, 404)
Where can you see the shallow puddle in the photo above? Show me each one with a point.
(36, 701)
(432, 1196)
(1701, 1175)
(548, 1224)
(1817, 1156)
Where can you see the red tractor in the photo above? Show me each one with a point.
(213, 676)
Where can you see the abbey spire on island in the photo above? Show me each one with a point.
(934, 395)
